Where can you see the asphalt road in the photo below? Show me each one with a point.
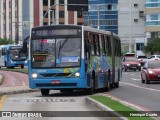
(131, 90)
(54, 103)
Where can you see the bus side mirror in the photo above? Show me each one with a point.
(4, 51)
(24, 47)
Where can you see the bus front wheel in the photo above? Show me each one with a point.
(45, 92)
(91, 90)
(116, 85)
(22, 66)
(108, 86)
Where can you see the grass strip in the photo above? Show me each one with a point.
(119, 107)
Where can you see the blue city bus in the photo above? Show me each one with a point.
(12, 56)
(72, 57)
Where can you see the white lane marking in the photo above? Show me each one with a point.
(132, 74)
(141, 87)
(135, 79)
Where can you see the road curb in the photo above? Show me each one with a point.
(104, 108)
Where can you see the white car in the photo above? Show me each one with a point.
(154, 57)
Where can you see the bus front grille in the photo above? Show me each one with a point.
(56, 74)
(55, 85)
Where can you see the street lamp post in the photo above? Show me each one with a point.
(98, 8)
(130, 39)
(53, 15)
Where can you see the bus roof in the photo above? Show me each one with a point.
(87, 28)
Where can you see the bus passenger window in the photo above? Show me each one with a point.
(108, 45)
(103, 45)
(91, 43)
(97, 47)
(3, 51)
(87, 51)
(86, 47)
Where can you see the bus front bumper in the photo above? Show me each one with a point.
(66, 83)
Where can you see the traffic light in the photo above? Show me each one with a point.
(77, 5)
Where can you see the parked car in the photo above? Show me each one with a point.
(130, 63)
(154, 57)
(151, 71)
(142, 59)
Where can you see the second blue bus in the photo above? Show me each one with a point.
(12, 56)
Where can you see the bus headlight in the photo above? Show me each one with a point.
(26, 61)
(34, 75)
(77, 74)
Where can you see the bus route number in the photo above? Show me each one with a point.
(39, 58)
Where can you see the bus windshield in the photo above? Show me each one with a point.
(16, 53)
(57, 52)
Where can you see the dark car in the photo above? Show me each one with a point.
(151, 71)
(131, 63)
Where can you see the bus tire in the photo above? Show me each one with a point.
(91, 90)
(108, 86)
(45, 92)
(116, 85)
(63, 90)
(22, 66)
(69, 91)
(5, 64)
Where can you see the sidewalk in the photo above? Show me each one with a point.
(13, 90)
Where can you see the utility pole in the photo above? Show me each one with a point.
(130, 39)
(98, 16)
(51, 8)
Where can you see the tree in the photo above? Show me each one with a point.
(5, 41)
(153, 46)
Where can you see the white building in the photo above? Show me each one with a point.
(131, 27)
(17, 17)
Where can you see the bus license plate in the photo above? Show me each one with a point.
(55, 82)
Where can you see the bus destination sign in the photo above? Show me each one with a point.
(55, 32)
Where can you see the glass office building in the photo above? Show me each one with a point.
(152, 20)
(102, 14)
